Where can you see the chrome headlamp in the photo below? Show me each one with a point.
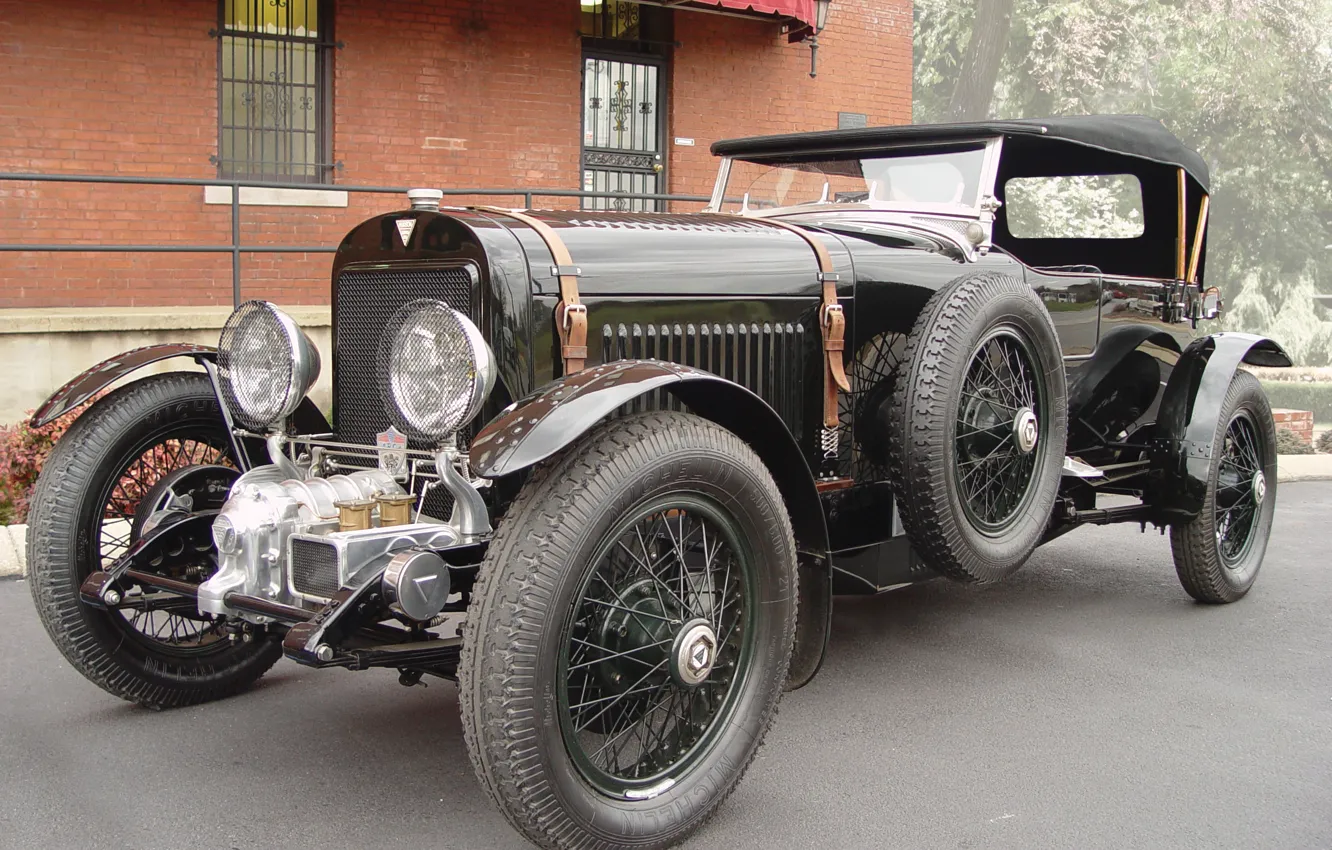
(436, 367)
(266, 363)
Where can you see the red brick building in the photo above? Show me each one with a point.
(447, 93)
(605, 95)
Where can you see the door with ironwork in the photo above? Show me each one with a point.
(622, 132)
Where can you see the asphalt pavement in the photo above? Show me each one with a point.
(1085, 703)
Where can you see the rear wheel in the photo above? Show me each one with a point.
(629, 635)
(90, 504)
(977, 427)
(1218, 554)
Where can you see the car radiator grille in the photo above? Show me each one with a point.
(314, 568)
(364, 302)
(768, 358)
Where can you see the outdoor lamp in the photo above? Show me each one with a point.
(821, 8)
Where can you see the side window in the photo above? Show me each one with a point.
(1102, 206)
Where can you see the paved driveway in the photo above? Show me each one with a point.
(1086, 703)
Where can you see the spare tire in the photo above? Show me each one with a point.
(977, 427)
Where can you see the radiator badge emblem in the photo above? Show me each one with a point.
(392, 446)
(405, 228)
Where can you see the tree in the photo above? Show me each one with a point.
(1248, 83)
(980, 66)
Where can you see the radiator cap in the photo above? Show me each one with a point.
(425, 199)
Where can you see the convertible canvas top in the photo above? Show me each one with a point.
(1129, 135)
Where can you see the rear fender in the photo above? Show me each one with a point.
(548, 421)
(308, 419)
(1190, 408)
(1111, 351)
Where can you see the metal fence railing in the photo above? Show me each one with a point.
(235, 248)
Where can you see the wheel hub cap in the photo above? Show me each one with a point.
(1026, 430)
(694, 653)
(1259, 487)
(637, 632)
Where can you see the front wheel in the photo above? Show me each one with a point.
(1217, 555)
(90, 504)
(629, 635)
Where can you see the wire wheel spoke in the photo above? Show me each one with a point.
(628, 715)
(993, 470)
(115, 533)
(1237, 499)
(871, 373)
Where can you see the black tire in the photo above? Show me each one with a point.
(75, 502)
(1218, 554)
(944, 474)
(516, 678)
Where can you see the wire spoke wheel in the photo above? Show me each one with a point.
(978, 426)
(1219, 552)
(1001, 411)
(1241, 489)
(173, 628)
(630, 634)
(655, 642)
(140, 457)
(872, 374)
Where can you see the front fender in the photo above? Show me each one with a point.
(550, 420)
(1190, 408)
(308, 418)
(91, 381)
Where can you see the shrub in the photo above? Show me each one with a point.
(1301, 396)
(1324, 442)
(1289, 443)
(23, 450)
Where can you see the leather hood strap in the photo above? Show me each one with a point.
(832, 323)
(570, 314)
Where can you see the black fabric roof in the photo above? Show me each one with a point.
(1130, 135)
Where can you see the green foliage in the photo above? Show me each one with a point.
(1108, 207)
(1248, 83)
(1324, 442)
(1301, 396)
(1289, 443)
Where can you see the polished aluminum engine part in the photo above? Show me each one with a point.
(252, 528)
(320, 564)
(416, 584)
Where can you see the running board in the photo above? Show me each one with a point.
(1074, 468)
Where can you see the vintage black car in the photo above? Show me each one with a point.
(608, 470)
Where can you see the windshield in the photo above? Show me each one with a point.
(905, 178)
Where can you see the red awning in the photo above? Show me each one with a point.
(801, 10)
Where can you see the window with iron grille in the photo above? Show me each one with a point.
(629, 24)
(274, 89)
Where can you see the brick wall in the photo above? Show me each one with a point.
(1300, 422)
(445, 93)
(740, 78)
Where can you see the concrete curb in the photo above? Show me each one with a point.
(14, 549)
(1304, 468)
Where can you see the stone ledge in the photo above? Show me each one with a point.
(46, 320)
(261, 196)
(13, 550)
(1304, 468)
